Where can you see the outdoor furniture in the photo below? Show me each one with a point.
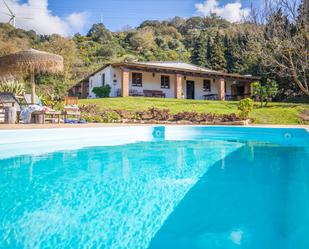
(153, 93)
(10, 115)
(41, 117)
(69, 101)
(28, 99)
(9, 103)
(37, 117)
(71, 108)
(2, 113)
(210, 97)
(52, 116)
(134, 92)
(230, 97)
(49, 115)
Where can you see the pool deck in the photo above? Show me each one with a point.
(94, 125)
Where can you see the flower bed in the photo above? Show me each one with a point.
(92, 113)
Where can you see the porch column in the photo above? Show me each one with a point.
(125, 82)
(81, 89)
(178, 86)
(248, 90)
(221, 89)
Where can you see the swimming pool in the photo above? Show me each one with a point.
(155, 187)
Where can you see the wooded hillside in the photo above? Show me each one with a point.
(211, 42)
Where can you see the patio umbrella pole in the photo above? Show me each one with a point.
(32, 86)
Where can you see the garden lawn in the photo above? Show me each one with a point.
(274, 113)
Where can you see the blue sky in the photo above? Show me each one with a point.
(78, 15)
(118, 13)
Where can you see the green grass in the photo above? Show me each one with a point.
(275, 113)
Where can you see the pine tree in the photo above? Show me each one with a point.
(208, 53)
(218, 61)
(228, 54)
(199, 53)
(232, 55)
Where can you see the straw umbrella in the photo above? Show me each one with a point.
(30, 62)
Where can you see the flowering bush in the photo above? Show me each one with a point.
(93, 113)
(159, 114)
(189, 116)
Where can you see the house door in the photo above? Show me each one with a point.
(190, 89)
(234, 90)
(240, 91)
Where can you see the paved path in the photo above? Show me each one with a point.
(92, 125)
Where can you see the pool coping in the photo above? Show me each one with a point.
(100, 125)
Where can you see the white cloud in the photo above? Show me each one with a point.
(77, 20)
(233, 12)
(43, 21)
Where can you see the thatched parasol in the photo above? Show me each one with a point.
(30, 61)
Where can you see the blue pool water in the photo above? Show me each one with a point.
(156, 188)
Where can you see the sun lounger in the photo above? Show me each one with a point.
(46, 115)
(71, 109)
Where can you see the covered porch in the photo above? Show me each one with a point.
(188, 84)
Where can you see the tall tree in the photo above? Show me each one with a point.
(199, 53)
(217, 60)
(231, 55)
(208, 54)
(99, 33)
(287, 45)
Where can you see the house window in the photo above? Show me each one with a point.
(103, 79)
(207, 86)
(137, 79)
(90, 83)
(165, 81)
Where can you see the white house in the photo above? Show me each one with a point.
(165, 79)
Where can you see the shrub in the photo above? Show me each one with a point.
(207, 117)
(189, 116)
(159, 114)
(138, 115)
(93, 108)
(245, 107)
(228, 117)
(12, 86)
(110, 116)
(266, 91)
(124, 114)
(102, 92)
(92, 118)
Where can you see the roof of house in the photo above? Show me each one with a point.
(175, 66)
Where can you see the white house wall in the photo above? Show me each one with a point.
(113, 77)
(153, 82)
(198, 87)
(116, 76)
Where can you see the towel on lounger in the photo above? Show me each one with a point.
(26, 112)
